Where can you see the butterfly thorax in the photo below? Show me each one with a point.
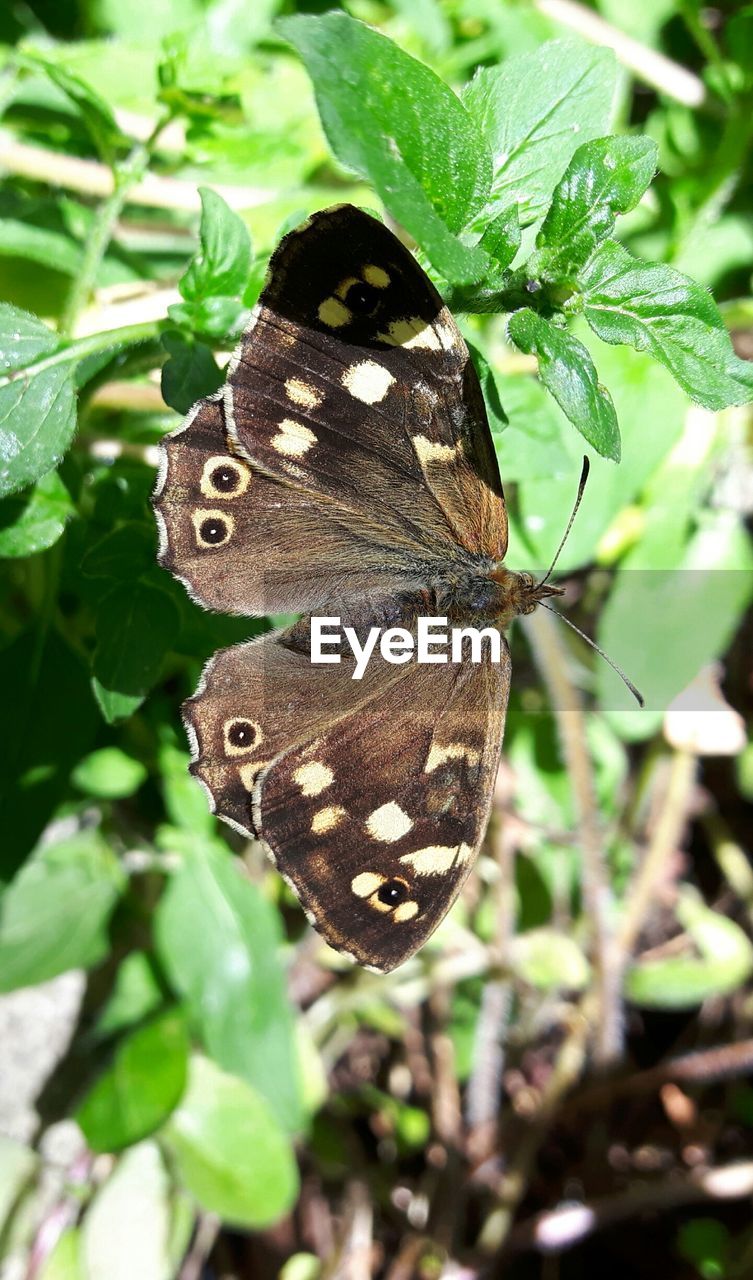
(493, 596)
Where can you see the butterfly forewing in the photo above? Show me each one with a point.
(354, 368)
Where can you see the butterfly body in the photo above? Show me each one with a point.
(347, 469)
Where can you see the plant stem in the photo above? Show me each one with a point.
(128, 335)
(666, 837)
(571, 724)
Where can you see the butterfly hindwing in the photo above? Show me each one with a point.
(371, 796)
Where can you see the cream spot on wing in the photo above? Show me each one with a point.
(376, 276)
(249, 773)
(411, 333)
(388, 823)
(344, 285)
(433, 451)
(293, 439)
(367, 381)
(436, 859)
(241, 735)
(303, 393)
(406, 911)
(334, 313)
(450, 337)
(366, 883)
(313, 778)
(452, 751)
(212, 528)
(325, 820)
(224, 477)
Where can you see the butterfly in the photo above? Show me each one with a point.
(346, 468)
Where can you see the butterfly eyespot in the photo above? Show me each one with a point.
(213, 528)
(241, 736)
(393, 892)
(223, 477)
(213, 531)
(362, 297)
(226, 479)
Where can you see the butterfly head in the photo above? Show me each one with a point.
(519, 593)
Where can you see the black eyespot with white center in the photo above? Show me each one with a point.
(225, 479)
(213, 531)
(242, 736)
(393, 892)
(362, 298)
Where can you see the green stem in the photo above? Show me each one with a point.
(125, 175)
(126, 336)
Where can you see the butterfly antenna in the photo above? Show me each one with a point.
(635, 692)
(581, 486)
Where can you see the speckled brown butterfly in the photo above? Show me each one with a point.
(347, 469)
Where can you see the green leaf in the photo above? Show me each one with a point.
(137, 993)
(229, 1150)
(185, 799)
(392, 120)
(136, 626)
(65, 1261)
(123, 554)
(534, 110)
(109, 774)
(54, 914)
(37, 411)
(501, 239)
(223, 263)
(43, 679)
(495, 410)
(549, 961)
(219, 940)
(34, 520)
(126, 1229)
(664, 623)
(212, 317)
(18, 1164)
(568, 372)
(140, 1089)
(93, 109)
(656, 309)
(190, 372)
(605, 177)
(725, 962)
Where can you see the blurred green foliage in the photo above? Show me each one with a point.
(152, 155)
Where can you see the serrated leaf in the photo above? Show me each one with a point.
(37, 411)
(136, 626)
(219, 941)
(190, 373)
(392, 120)
(534, 110)
(604, 178)
(568, 372)
(54, 913)
(141, 1087)
(223, 262)
(34, 520)
(229, 1150)
(656, 309)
